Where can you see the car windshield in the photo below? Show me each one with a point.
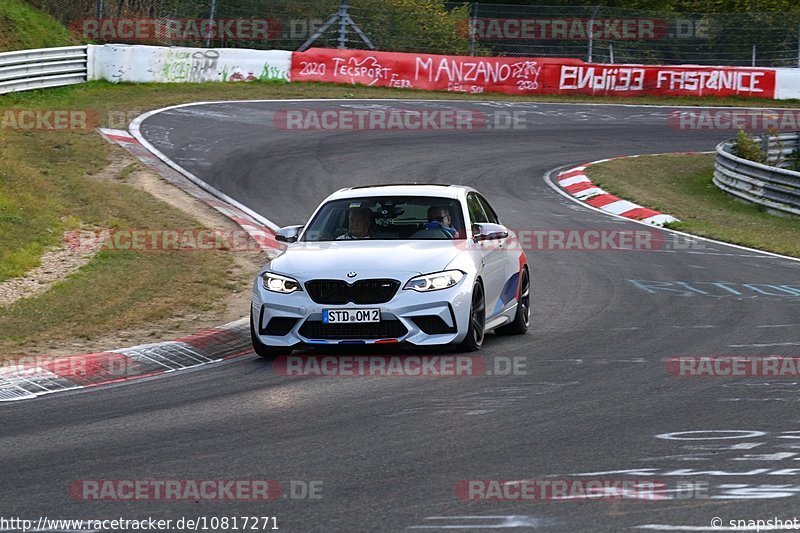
(387, 218)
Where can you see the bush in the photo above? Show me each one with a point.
(748, 148)
(794, 160)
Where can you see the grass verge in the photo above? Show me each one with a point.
(681, 185)
(24, 27)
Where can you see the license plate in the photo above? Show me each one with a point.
(353, 316)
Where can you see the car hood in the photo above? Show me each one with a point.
(368, 258)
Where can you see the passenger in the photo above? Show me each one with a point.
(439, 218)
(359, 222)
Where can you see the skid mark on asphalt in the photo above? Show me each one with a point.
(667, 527)
(482, 403)
(578, 361)
(764, 345)
(654, 327)
(765, 391)
(481, 522)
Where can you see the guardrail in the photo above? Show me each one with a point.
(45, 67)
(774, 187)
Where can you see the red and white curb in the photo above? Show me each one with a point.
(28, 377)
(577, 184)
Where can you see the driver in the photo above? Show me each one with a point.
(439, 218)
(359, 222)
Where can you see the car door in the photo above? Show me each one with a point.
(508, 264)
(492, 255)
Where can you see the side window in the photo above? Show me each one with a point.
(476, 213)
(490, 214)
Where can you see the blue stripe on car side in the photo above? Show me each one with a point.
(508, 293)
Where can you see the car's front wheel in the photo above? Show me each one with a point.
(262, 349)
(523, 316)
(477, 321)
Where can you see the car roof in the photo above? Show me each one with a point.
(403, 189)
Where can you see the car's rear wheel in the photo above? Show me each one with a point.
(477, 321)
(523, 316)
(262, 349)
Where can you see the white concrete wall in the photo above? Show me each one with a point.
(787, 83)
(158, 64)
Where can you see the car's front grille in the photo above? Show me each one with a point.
(432, 325)
(385, 329)
(364, 292)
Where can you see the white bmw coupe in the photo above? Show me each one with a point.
(424, 264)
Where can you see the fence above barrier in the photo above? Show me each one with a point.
(594, 32)
(44, 67)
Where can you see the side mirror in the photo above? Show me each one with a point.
(289, 234)
(489, 232)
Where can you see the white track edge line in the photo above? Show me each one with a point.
(137, 134)
(548, 179)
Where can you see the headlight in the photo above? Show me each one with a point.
(277, 283)
(435, 282)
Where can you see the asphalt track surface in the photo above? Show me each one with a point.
(595, 398)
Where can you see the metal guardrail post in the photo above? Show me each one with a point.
(473, 28)
(591, 33)
(343, 17)
(212, 15)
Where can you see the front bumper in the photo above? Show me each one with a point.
(409, 316)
